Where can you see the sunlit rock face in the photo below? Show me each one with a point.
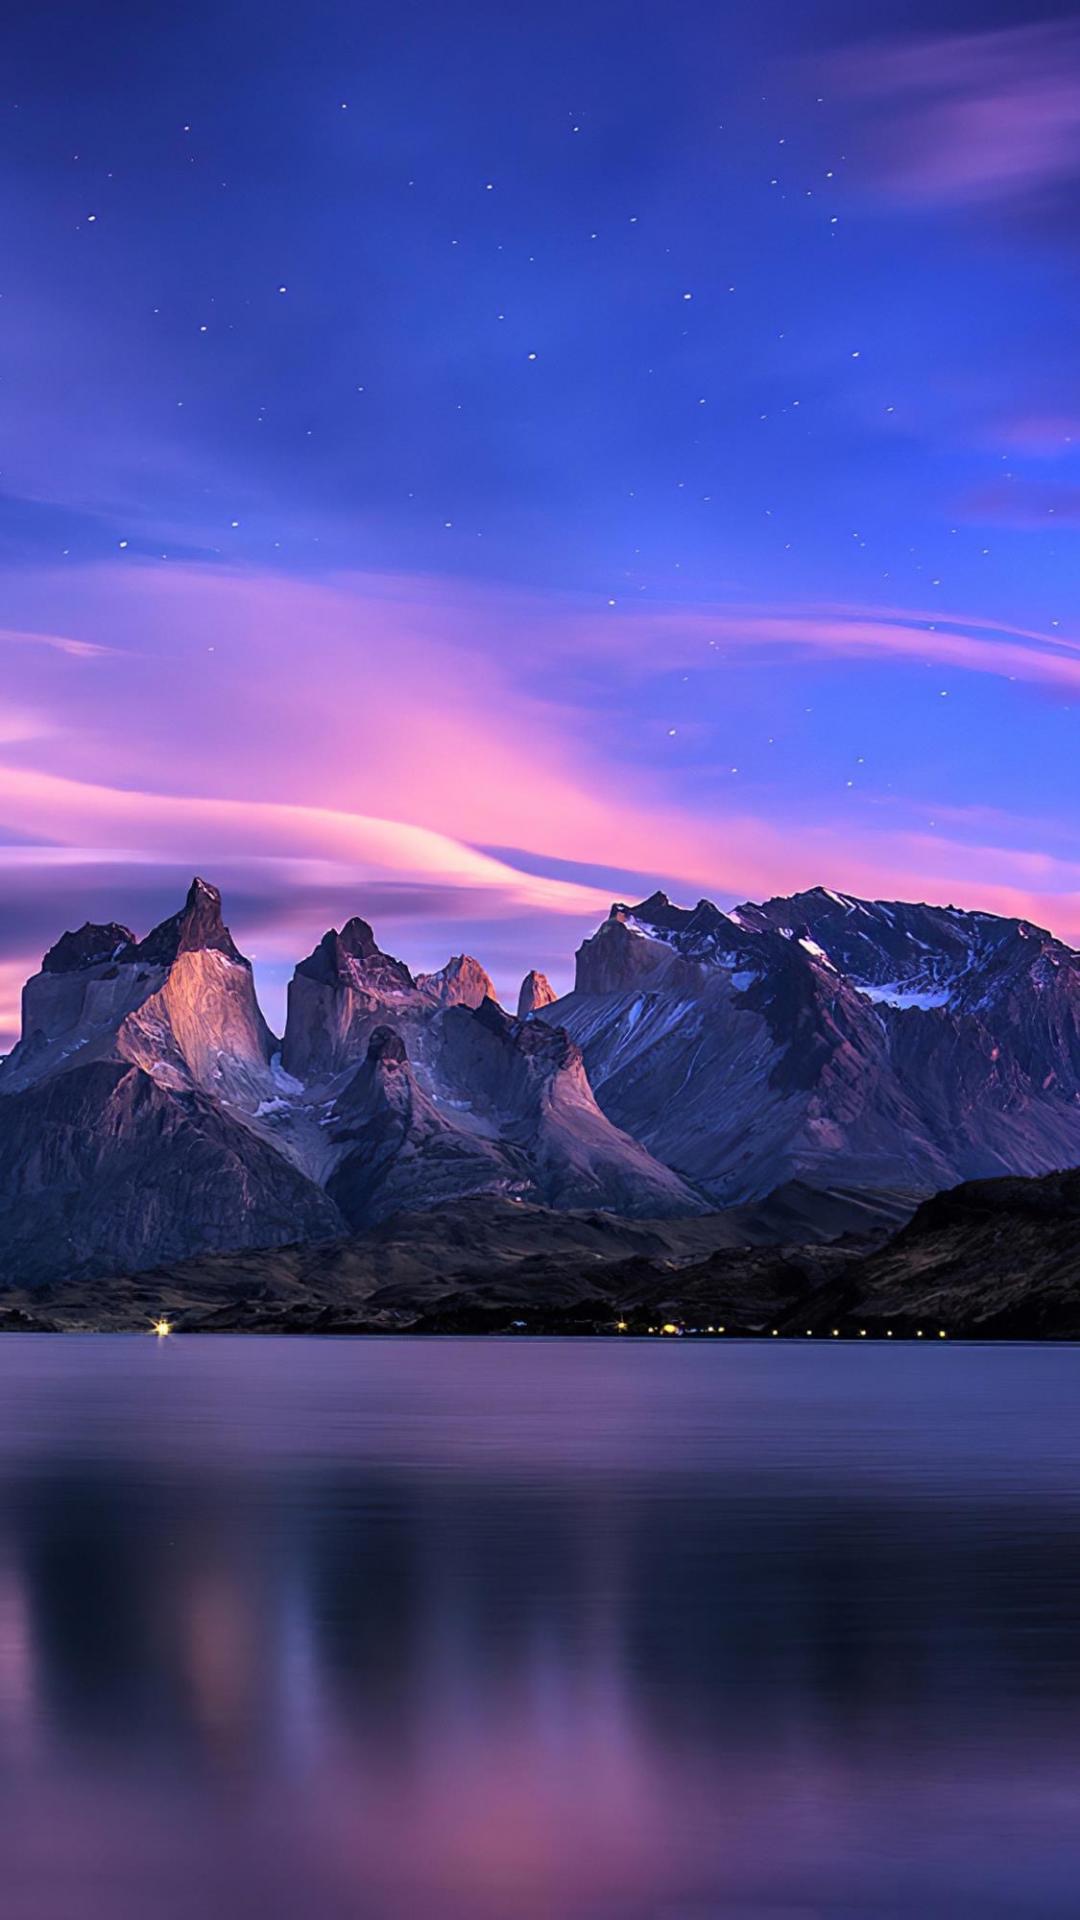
(463, 982)
(129, 1109)
(180, 1004)
(535, 994)
(876, 1044)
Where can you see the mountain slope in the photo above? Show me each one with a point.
(831, 1039)
(401, 1153)
(996, 1258)
(102, 1169)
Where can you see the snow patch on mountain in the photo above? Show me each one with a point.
(894, 994)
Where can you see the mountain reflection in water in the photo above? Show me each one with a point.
(536, 1631)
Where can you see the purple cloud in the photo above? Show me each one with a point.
(973, 118)
(1015, 503)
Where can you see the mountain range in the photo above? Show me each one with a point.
(859, 1055)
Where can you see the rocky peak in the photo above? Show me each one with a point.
(909, 955)
(544, 1049)
(165, 1004)
(353, 958)
(197, 928)
(90, 946)
(463, 982)
(536, 993)
(635, 948)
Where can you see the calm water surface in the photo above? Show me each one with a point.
(484, 1630)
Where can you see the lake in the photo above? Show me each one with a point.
(537, 1630)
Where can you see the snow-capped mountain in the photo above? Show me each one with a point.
(818, 1036)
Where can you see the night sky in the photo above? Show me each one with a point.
(461, 465)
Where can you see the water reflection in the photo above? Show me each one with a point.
(493, 1631)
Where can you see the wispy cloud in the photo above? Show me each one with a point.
(371, 744)
(1024, 503)
(839, 633)
(1039, 436)
(59, 642)
(972, 118)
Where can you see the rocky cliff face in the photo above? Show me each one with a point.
(401, 1150)
(103, 1169)
(526, 1082)
(454, 1099)
(180, 1004)
(536, 993)
(336, 1000)
(461, 983)
(128, 1110)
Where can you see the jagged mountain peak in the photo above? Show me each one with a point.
(908, 954)
(197, 927)
(180, 1004)
(903, 953)
(463, 982)
(549, 1048)
(353, 958)
(89, 946)
(337, 996)
(535, 994)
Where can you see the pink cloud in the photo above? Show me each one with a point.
(1041, 436)
(320, 747)
(1018, 503)
(970, 118)
(12, 975)
(404, 700)
(1011, 653)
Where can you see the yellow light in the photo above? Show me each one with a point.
(775, 1331)
(862, 1333)
(621, 1325)
(720, 1329)
(836, 1333)
(941, 1335)
(162, 1327)
(918, 1335)
(669, 1327)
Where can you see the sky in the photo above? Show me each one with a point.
(464, 465)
